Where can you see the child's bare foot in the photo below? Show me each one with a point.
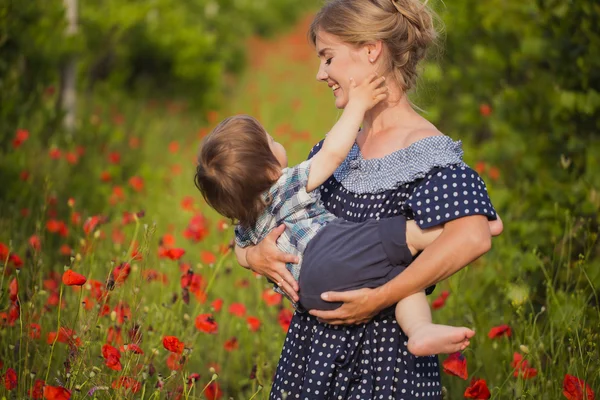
(431, 339)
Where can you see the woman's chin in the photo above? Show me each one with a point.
(340, 103)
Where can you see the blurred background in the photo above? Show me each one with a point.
(103, 105)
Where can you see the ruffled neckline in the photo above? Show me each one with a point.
(375, 175)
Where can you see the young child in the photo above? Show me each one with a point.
(242, 173)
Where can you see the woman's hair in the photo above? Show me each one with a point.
(235, 167)
(406, 28)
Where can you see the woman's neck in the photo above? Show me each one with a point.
(389, 115)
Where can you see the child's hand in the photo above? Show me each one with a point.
(370, 92)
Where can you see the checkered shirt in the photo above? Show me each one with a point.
(302, 212)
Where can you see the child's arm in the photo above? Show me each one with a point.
(342, 136)
(418, 239)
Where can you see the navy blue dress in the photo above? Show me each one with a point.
(427, 182)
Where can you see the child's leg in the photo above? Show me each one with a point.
(424, 337)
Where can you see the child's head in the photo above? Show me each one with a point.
(238, 162)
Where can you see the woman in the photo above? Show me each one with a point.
(399, 165)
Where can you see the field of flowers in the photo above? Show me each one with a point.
(119, 282)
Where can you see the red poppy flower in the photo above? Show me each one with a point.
(253, 323)
(285, 319)
(501, 330)
(207, 257)
(71, 278)
(121, 272)
(20, 138)
(123, 312)
(37, 392)
(137, 183)
(175, 362)
(205, 323)
(65, 250)
(576, 389)
(114, 157)
(105, 176)
(197, 228)
(213, 391)
(456, 364)
(112, 357)
(132, 347)
(71, 157)
(13, 290)
(34, 241)
(174, 254)
(65, 335)
(485, 110)
(440, 301)
(494, 173)
(237, 309)
(10, 379)
(217, 304)
(231, 344)
(173, 147)
(477, 390)
(173, 344)
(127, 383)
(91, 223)
(271, 298)
(55, 153)
(35, 331)
(56, 393)
(16, 261)
(114, 334)
(522, 368)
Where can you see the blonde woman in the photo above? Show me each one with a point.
(400, 165)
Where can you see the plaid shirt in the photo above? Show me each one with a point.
(302, 213)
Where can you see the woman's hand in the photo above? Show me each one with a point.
(360, 306)
(266, 259)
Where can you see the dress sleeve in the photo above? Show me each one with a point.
(315, 149)
(449, 193)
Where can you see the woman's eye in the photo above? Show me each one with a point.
(328, 61)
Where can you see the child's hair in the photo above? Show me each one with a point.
(235, 167)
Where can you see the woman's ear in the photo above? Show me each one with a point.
(374, 50)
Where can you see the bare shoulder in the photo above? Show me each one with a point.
(422, 133)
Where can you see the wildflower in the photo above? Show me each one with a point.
(114, 157)
(65, 335)
(213, 391)
(137, 183)
(205, 323)
(132, 347)
(197, 228)
(65, 250)
(37, 392)
(20, 138)
(35, 331)
(71, 278)
(501, 330)
(56, 393)
(477, 390)
(485, 110)
(237, 309)
(456, 364)
(231, 344)
(217, 304)
(92, 223)
(175, 362)
(34, 241)
(13, 290)
(576, 389)
(127, 383)
(174, 254)
(173, 344)
(253, 323)
(10, 379)
(522, 368)
(105, 176)
(55, 153)
(112, 357)
(440, 301)
(207, 257)
(121, 272)
(284, 318)
(173, 147)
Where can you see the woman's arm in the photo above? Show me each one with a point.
(462, 241)
(266, 259)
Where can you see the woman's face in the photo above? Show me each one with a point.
(338, 63)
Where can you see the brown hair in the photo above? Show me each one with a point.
(406, 28)
(235, 167)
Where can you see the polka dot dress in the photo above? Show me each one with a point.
(371, 361)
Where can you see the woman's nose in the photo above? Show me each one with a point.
(321, 74)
